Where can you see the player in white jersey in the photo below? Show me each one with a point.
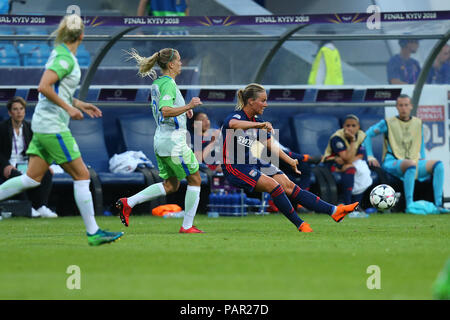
(176, 160)
(52, 140)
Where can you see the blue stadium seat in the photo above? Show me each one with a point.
(9, 55)
(90, 138)
(34, 54)
(83, 56)
(137, 133)
(312, 132)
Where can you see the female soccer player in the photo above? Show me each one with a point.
(52, 139)
(239, 132)
(176, 160)
(346, 155)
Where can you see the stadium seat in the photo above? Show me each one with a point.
(311, 135)
(312, 132)
(83, 56)
(89, 136)
(34, 54)
(9, 55)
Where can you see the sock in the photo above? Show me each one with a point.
(83, 199)
(284, 205)
(409, 178)
(357, 197)
(438, 182)
(190, 205)
(311, 201)
(348, 178)
(151, 192)
(16, 185)
(299, 157)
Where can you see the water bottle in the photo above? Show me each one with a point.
(265, 202)
(236, 204)
(243, 209)
(179, 214)
(358, 214)
(221, 202)
(212, 208)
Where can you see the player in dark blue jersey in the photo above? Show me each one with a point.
(242, 132)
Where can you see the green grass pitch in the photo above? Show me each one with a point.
(254, 257)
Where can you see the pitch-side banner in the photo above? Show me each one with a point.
(335, 18)
(434, 110)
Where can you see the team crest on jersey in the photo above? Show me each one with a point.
(339, 144)
(252, 173)
(64, 64)
(167, 97)
(237, 116)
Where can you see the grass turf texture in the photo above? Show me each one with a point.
(255, 257)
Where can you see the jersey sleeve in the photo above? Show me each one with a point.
(167, 95)
(376, 129)
(62, 65)
(337, 145)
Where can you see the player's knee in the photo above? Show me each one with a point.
(289, 187)
(194, 179)
(438, 166)
(171, 186)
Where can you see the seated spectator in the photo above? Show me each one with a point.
(206, 155)
(401, 68)
(404, 152)
(15, 136)
(346, 155)
(440, 71)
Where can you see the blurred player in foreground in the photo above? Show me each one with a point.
(52, 139)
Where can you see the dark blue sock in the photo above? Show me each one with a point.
(348, 178)
(310, 201)
(357, 197)
(284, 205)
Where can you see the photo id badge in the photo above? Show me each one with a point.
(22, 166)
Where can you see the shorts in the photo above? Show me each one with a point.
(177, 166)
(246, 176)
(393, 166)
(54, 147)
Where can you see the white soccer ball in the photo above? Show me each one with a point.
(382, 197)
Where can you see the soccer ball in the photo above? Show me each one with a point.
(382, 197)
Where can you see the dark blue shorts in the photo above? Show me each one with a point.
(246, 176)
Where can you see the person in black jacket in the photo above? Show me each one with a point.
(15, 136)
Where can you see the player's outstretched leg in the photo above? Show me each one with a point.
(125, 205)
(312, 202)
(282, 202)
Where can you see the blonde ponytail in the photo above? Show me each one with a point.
(249, 92)
(69, 30)
(146, 64)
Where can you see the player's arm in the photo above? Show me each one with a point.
(373, 131)
(422, 147)
(274, 148)
(236, 124)
(48, 79)
(169, 112)
(87, 107)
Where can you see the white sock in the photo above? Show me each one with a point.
(190, 205)
(83, 199)
(151, 192)
(16, 185)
